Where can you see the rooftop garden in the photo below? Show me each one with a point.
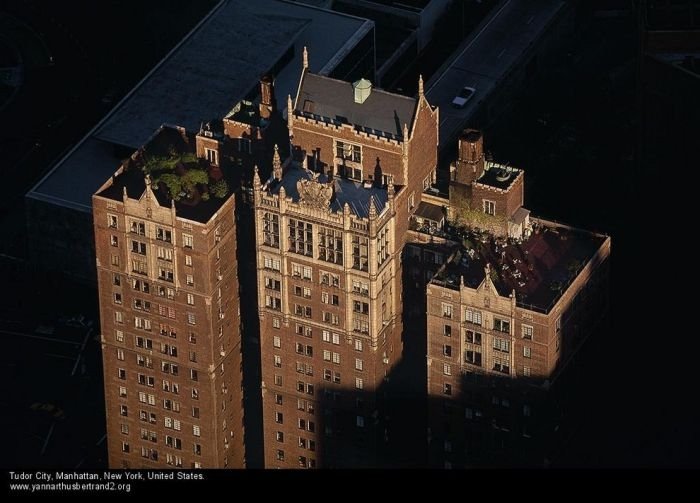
(183, 177)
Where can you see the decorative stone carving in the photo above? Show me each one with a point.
(314, 193)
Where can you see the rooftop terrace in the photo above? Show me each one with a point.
(175, 174)
(539, 268)
(357, 195)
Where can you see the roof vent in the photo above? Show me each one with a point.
(362, 89)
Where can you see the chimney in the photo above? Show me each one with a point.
(267, 96)
(470, 158)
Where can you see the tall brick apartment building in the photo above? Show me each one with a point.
(169, 307)
(510, 304)
(331, 226)
(344, 253)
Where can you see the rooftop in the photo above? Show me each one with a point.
(355, 194)
(334, 101)
(499, 176)
(539, 268)
(216, 65)
(175, 173)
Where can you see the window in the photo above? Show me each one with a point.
(359, 383)
(121, 373)
(527, 371)
(360, 307)
(360, 324)
(360, 253)
(278, 380)
(273, 284)
(447, 331)
(113, 240)
(473, 337)
(273, 302)
(501, 325)
(212, 156)
(360, 287)
(358, 344)
(191, 319)
(165, 253)
(138, 227)
(447, 350)
(359, 364)
(188, 260)
(138, 247)
(115, 259)
(117, 298)
(196, 431)
(122, 391)
(118, 317)
(279, 418)
(120, 354)
(473, 357)
(331, 318)
(447, 389)
(411, 201)
(271, 229)
(165, 274)
(473, 316)
(527, 332)
(112, 221)
(527, 411)
(446, 369)
(447, 310)
(501, 365)
(280, 455)
(383, 246)
(276, 323)
(502, 345)
(330, 245)
(300, 237)
(164, 235)
(189, 279)
(187, 240)
(279, 436)
(489, 207)
(276, 341)
(123, 410)
(527, 352)
(271, 263)
(190, 299)
(348, 152)
(277, 360)
(197, 449)
(329, 279)
(125, 447)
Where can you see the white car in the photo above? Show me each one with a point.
(460, 101)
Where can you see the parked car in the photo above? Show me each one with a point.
(460, 101)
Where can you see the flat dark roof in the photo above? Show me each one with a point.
(216, 65)
(539, 269)
(499, 176)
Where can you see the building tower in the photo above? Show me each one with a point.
(165, 239)
(331, 225)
